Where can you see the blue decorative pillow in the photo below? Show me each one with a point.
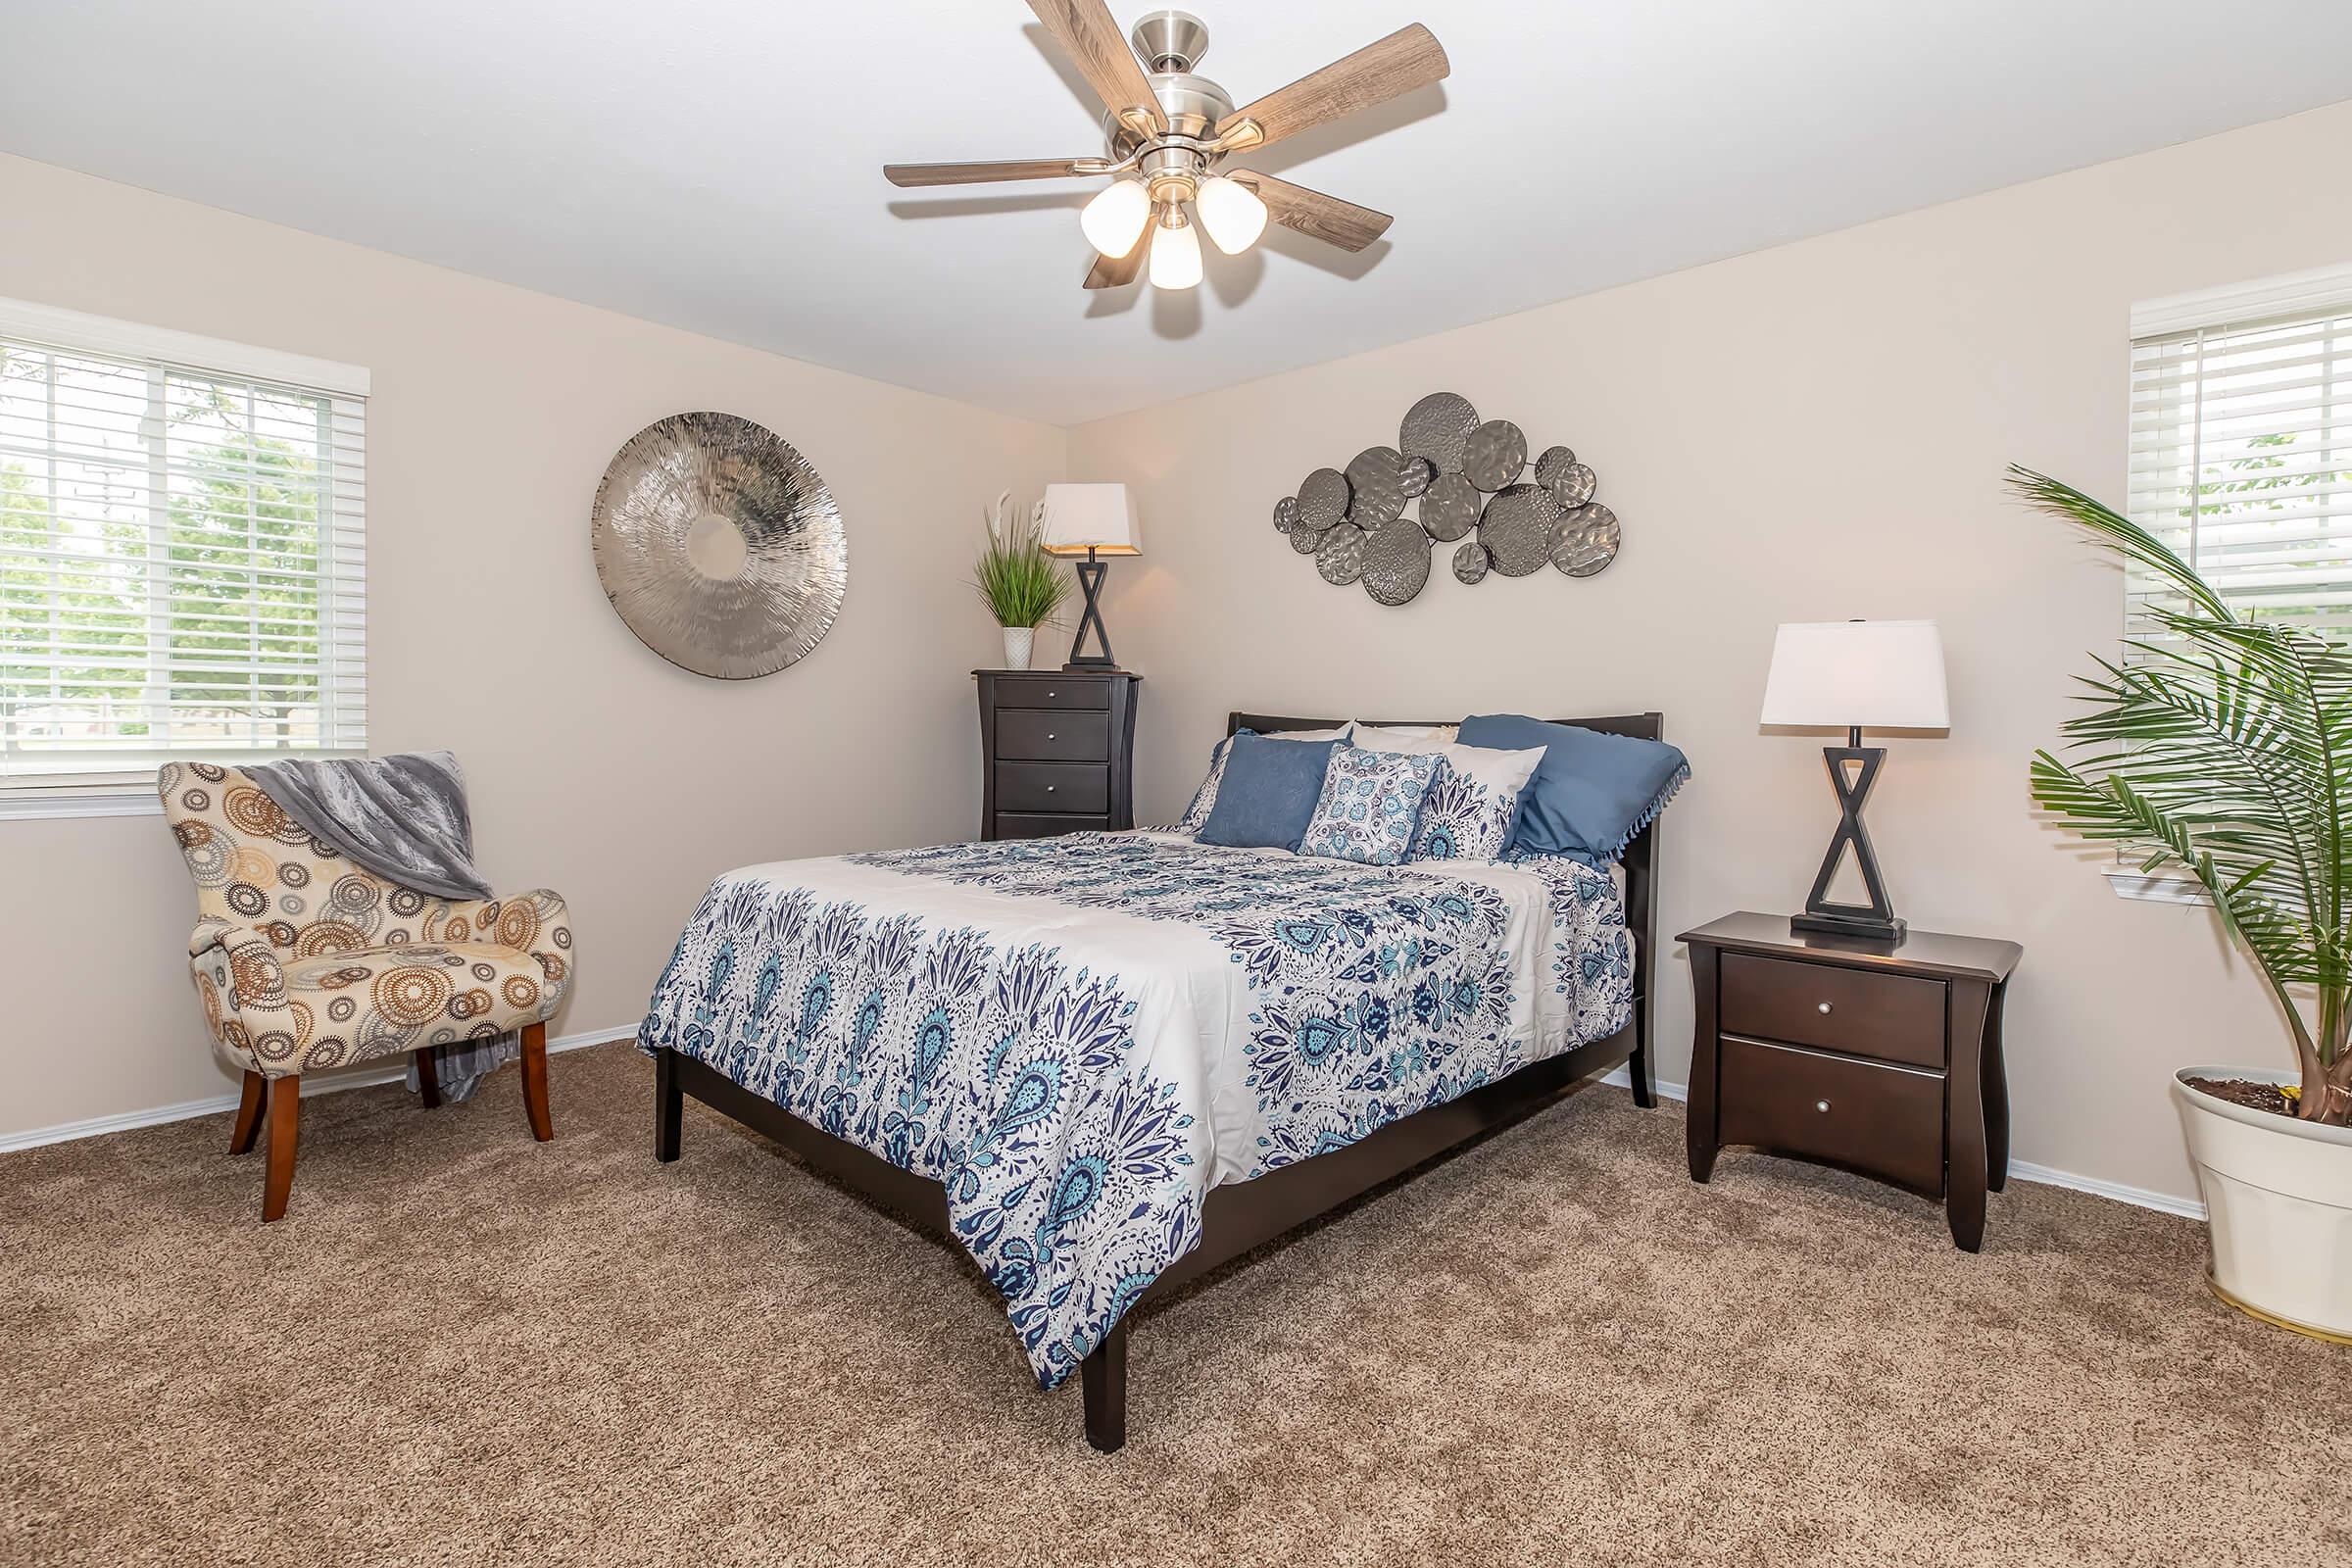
(1267, 793)
(1590, 794)
(1370, 804)
(1196, 816)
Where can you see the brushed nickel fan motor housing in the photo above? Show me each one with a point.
(1172, 162)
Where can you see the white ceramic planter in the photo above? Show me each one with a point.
(1019, 643)
(2278, 1205)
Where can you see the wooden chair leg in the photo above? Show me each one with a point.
(286, 1111)
(249, 1115)
(428, 1082)
(534, 1081)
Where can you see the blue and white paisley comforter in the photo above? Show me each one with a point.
(1080, 1036)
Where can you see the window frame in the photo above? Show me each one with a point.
(162, 349)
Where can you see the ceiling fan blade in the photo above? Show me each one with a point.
(985, 172)
(1117, 271)
(1408, 58)
(1094, 44)
(1312, 212)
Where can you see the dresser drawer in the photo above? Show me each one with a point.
(1080, 787)
(1887, 1120)
(1039, 824)
(1047, 691)
(1044, 735)
(1894, 1017)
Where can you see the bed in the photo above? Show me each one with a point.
(1108, 1063)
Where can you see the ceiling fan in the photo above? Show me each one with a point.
(1168, 130)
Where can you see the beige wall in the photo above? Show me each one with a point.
(595, 768)
(1808, 434)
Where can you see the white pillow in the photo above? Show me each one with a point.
(1401, 737)
(1205, 797)
(1471, 804)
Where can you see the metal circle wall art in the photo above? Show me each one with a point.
(1354, 522)
(720, 546)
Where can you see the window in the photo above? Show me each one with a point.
(182, 554)
(2241, 444)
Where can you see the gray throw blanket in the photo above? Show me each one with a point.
(405, 818)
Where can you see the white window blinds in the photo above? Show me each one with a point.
(2242, 445)
(182, 552)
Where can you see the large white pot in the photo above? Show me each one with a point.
(2278, 1205)
(1018, 643)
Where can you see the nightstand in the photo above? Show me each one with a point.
(1056, 752)
(1885, 1059)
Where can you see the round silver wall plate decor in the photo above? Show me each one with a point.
(1495, 455)
(1518, 528)
(1285, 514)
(1306, 540)
(1450, 508)
(1375, 487)
(1470, 561)
(1573, 485)
(1549, 464)
(1341, 560)
(1588, 542)
(1396, 562)
(1417, 474)
(1323, 498)
(720, 546)
(1436, 428)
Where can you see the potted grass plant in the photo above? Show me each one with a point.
(1022, 586)
(2222, 745)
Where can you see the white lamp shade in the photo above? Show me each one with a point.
(1091, 517)
(1876, 674)
(1113, 222)
(1175, 256)
(1230, 213)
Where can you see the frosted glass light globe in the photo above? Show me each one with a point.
(1114, 220)
(1230, 213)
(1175, 257)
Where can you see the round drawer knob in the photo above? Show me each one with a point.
(1053, 693)
(1049, 735)
(1825, 1007)
(1821, 1106)
(1050, 788)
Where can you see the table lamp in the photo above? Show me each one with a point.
(1091, 520)
(1848, 674)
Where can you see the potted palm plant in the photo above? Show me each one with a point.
(2222, 745)
(1021, 585)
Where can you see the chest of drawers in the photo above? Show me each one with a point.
(1056, 752)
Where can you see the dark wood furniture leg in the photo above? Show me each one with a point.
(1637, 1065)
(286, 1111)
(1105, 1377)
(1996, 1096)
(1964, 1115)
(669, 1106)
(534, 1081)
(249, 1115)
(1700, 1124)
(428, 1082)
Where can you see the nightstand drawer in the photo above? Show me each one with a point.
(1039, 824)
(1080, 787)
(1887, 1120)
(1890, 1016)
(1047, 691)
(1025, 734)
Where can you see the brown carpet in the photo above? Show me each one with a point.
(1553, 1348)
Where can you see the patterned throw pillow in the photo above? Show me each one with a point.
(1470, 807)
(1369, 805)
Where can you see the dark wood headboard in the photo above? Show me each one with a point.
(1640, 857)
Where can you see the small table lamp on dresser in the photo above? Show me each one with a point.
(1847, 675)
(1091, 520)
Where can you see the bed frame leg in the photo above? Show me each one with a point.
(1103, 1375)
(1636, 1068)
(669, 1106)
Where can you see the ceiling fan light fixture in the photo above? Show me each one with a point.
(1175, 253)
(1114, 220)
(1230, 213)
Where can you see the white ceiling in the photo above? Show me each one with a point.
(716, 164)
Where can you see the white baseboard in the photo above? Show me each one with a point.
(2137, 1197)
(186, 1109)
